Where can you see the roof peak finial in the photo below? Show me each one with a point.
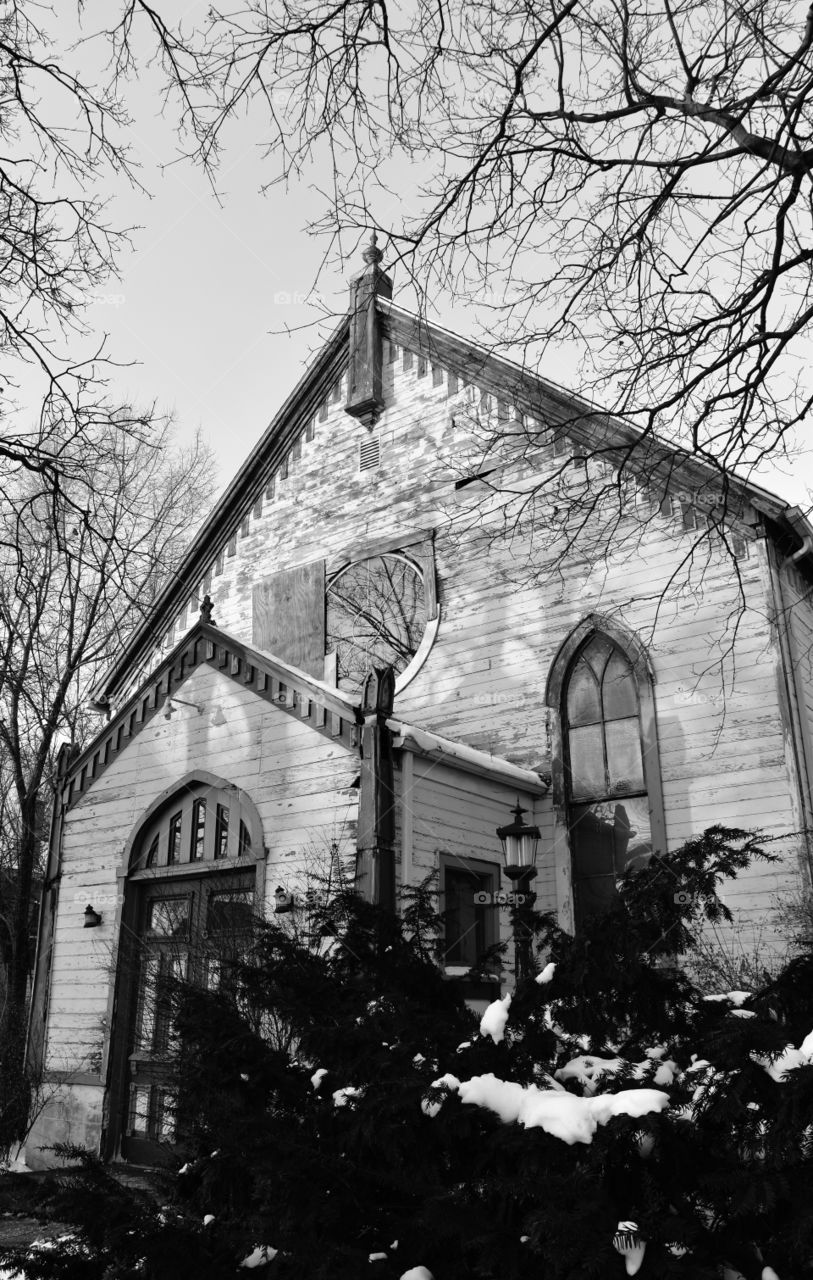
(372, 255)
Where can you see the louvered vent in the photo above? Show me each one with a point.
(369, 454)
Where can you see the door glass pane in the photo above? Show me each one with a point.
(583, 704)
(620, 693)
(230, 913)
(164, 1117)
(587, 777)
(169, 917)
(138, 1118)
(145, 1015)
(624, 758)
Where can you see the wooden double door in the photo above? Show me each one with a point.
(184, 929)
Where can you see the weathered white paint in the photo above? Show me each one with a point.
(728, 740)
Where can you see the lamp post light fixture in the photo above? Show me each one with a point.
(520, 845)
(92, 918)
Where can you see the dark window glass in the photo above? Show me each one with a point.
(244, 843)
(222, 831)
(152, 852)
(174, 847)
(198, 830)
(606, 839)
(587, 761)
(608, 809)
(230, 912)
(168, 917)
(583, 698)
(468, 923)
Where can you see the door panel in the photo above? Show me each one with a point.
(184, 929)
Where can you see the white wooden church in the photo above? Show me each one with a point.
(595, 628)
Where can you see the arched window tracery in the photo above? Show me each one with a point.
(607, 784)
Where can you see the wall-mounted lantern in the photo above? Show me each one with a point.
(282, 901)
(92, 918)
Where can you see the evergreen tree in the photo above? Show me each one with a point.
(343, 1107)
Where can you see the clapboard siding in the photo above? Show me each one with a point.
(299, 782)
(507, 605)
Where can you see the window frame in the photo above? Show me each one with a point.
(555, 695)
(491, 917)
(178, 812)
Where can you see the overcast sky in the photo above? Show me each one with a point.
(213, 297)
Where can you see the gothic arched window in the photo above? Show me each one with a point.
(609, 778)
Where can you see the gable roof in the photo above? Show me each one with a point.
(587, 425)
(334, 714)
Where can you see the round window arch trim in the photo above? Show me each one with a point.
(431, 605)
(200, 778)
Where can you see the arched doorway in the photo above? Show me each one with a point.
(192, 898)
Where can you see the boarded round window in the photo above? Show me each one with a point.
(376, 617)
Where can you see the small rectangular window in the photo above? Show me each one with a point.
(269, 489)
(198, 830)
(437, 375)
(407, 359)
(421, 367)
(392, 352)
(471, 917)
